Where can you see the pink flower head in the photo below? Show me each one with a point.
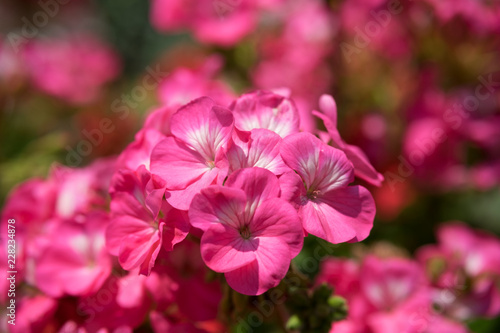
(126, 306)
(194, 157)
(215, 22)
(250, 234)
(82, 190)
(362, 167)
(267, 110)
(257, 148)
(186, 84)
(388, 283)
(76, 262)
(464, 257)
(138, 230)
(74, 68)
(328, 207)
(35, 314)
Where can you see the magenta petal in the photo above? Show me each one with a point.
(140, 249)
(266, 110)
(174, 228)
(223, 249)
(217, 204)
(321, 220)
(321, 167)
(181, 199)
(120, 228)
(258, 184)
(351, 208)
(260, 149)
(277, 218)
(177, 164)
(362, 166)
(292, 188)
(204, 126)
(269, 268)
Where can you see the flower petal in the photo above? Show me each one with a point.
(322, 167)
(204, 126)
(269, 268)
(223, 249)
(177, 164)
(217, 204)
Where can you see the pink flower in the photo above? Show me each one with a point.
(35, 314)
(362, 167)
(74, 68)
(250, 234)
(125, 307)
(384, 295)
(76, 261)
(463, 257)
(215, 22)
(138, 231)
(194, 157)
(262, 109)
(328, 207)
(186, 84)
(257, 148)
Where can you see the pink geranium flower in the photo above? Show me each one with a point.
(465, 270)
(257, 148)
(267, 110)
(74, 68)
(362, 166)
(249, 233)
(138, 230)
(329, 208)
(193, 157)
(76, 261)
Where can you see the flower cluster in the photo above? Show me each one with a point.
(241, 179)
(448, 283)
(244, 178)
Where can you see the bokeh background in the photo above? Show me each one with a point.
(398, 70)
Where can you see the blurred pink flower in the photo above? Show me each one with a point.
(76, 262)
(464, 256)
(74, 68)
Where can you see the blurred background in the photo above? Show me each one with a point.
(417, 85)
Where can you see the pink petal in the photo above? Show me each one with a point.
(258, 184)
(217, 204)
(362, 166)
(328, 106)
(260, 149)
(269, 268)
(177, 164)
(223, 248)
(266, 110)
(322, 167)
(321, 220)
(352, 206)
(120, 228)
(204, 126)
(175, 228)
(277, 218)
(181, 199)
